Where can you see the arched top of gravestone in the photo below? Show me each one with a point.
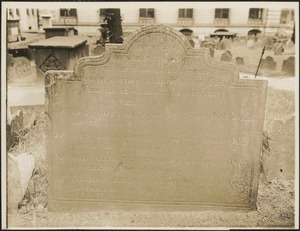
(150, 37)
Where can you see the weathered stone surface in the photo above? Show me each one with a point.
(269, 42)
(226, 56)
(279, 162)
(156, 123)
(99, 50)
(268, 63)
(288, 66)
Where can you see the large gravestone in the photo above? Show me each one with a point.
(280, 160)
(153, 123)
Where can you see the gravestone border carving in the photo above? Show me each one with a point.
(53, 76)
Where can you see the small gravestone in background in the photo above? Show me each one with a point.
(278, 48)
(250, 44)
(268, 63)
(203, 44)
(211, 52)
(240, 60)
(9, 60)
(222, 45)
(227, 43)
(279, 162)
(21, 62)
(289, 45)
(170, 129)
(99, 50)
(288, 66)
(226, 56)
(207, 44)
(192, 43)
(269, 42)
(258, 43)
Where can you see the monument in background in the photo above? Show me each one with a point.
(153, 123)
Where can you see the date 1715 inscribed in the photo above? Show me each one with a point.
(153, 122)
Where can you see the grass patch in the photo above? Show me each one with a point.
(32, 140)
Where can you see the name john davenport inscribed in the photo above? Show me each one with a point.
(153, 121)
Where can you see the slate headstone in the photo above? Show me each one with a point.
(268, 63)
(153, 122)
(288, 66)
(240, 60)
(280, 161)
(226, 56)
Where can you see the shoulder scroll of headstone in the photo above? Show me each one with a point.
(99, 50)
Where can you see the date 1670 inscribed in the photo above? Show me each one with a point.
(154, 121)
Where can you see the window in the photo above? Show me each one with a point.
(287, 16)
(68, 12)
(185, 13)
(18, 12)
(222, 13)
(32, 12)
(146, 13)
(28, 12)
(255, 13)
(10, 12)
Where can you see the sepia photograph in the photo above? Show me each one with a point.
(150, 115)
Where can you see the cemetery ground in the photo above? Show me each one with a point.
(275, 202)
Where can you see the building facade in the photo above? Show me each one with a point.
(199, 21)
(28, 18)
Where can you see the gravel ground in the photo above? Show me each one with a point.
(275, 209)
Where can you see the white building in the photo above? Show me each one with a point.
(201, 18)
